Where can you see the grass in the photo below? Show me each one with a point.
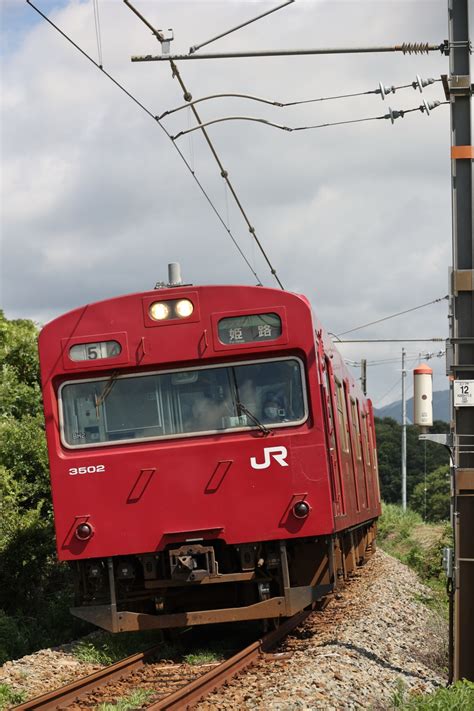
(203, 656)
(105, 648)
(8, 697)
(132, 701)
(419, 545)
(458, 697)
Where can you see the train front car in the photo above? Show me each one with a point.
(201, 469)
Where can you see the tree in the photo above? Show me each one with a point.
(421, 457)
(432, 500)
(36, 590)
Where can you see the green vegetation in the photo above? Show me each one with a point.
(203, 656)
(404, 535)
(8, 697)
(36, 590)
(389, 436)
(458, 697)
(132, 701)
(434, 498)
(106, 648)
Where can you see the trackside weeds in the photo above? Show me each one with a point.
(375, 637)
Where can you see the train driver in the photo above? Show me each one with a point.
(272, 410)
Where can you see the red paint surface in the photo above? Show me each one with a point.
(157, 492)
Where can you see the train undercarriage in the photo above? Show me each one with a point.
(206, 582)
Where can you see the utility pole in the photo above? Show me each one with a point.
(404, 434)
(459, 92)
(363, 375)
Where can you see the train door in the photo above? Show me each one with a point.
(363, 435)
(334, 457)
(345, 456)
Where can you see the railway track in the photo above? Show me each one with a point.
(185, 697)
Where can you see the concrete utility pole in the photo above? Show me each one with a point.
(363, 375)
(404, 434)
(459, 91)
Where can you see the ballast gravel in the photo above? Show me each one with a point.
(375, 635)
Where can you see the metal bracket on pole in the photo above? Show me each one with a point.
(460, 85)
(445, 439)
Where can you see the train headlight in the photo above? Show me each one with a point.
(184, 308)
(159, 311)
(84, 531)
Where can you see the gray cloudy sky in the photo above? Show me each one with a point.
(96, 201)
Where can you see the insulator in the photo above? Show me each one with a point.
(420, 83)
(415, 47)
(428, 106)
(392, 115)
(384, 90)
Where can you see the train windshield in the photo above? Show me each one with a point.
(267, 393)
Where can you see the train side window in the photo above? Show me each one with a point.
(365, 435)
(356, 427)
(341, 412)
(373, 444)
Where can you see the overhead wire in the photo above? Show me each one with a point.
(98, 33)
(163, 128)
(387, 318)
(391, 115)
(284, 104)
(224, 173)
(411, 361)
(388, 361)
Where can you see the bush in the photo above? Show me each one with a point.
(458, 697)
(24, 455)
(404, 535)
(36, 590)
(432, 500)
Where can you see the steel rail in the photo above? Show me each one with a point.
(71, 692)
(190, 694)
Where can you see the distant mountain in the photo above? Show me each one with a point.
(440, 408)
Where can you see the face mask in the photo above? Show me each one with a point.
(271, 411)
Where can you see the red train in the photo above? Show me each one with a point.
(212, 459)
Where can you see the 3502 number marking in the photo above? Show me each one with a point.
(97, 469)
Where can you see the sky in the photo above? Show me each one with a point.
(96, 201)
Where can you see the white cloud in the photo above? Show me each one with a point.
(96, 200)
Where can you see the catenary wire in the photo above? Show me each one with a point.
(224, 173)
(386, 318)
(285, 104)
(149, 113)
(409, 362)
(392, 115)
(98, 34)
(385, 361)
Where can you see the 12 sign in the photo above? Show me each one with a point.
(463, 391)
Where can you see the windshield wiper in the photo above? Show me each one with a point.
(259, 424)
(99, 399)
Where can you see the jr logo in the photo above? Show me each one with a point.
(279, 454)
